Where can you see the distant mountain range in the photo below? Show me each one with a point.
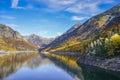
(38, 40)
(82, 37)
(11, 40)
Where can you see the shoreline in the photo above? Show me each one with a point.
(4, 53)
(111, 64)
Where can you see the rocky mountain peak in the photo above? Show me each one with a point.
(7, 32)
(33, 36)
(74, 27)
(38, 40)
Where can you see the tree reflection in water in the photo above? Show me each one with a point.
(83, 72)
(11, 63)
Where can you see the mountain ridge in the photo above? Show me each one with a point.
(7, 32)
(38, 40)
(11, 40)
(85, 32)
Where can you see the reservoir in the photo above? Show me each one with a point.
(39, 67)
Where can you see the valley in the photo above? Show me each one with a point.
(40, 47)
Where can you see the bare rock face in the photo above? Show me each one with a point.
(7, 32)
(112, 64)
(38, 40)
(12, 40)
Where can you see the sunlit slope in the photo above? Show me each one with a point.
(11, 40)
(92, 32)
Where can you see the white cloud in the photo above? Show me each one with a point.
(12, 25)
(7, 17)
(78, 18)
(57, 5)
(73, 6)
(15, 4)
(89, 7)
(59, 33)
(53, 3)
(85, 7)
(61, 2)
(30, 6)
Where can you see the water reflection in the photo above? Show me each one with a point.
(68, 64)
(39, 68)
(11, 63)
(55, 67)
(93, 73)
(85, 72)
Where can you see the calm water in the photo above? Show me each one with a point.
(41, 68)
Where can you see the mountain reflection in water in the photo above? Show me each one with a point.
(38, 67)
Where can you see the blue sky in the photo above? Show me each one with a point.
(49, 18)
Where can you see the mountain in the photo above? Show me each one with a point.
(99, 28)
(7, 32)
(38, 40)
(11, 40)
(62, 38)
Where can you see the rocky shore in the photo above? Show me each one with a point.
(112, 64)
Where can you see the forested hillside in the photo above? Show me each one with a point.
(99, 35)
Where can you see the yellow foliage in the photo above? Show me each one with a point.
(115, 40)
(9, 44)
(103, 20)
(5, 46)
(69, 60)
(73, 47)
(8, 59)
